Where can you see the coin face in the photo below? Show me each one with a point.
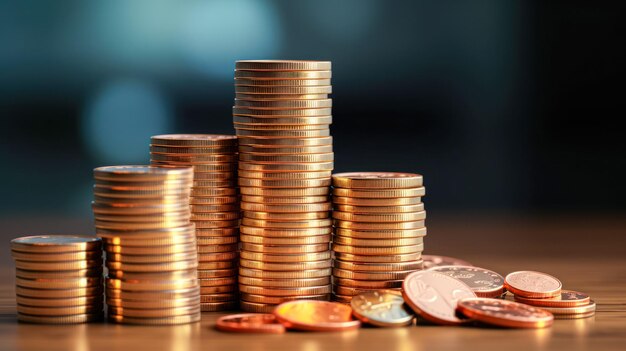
(505, 313)
(250, 323)
(532, 284)
(55, 243)
(434, 296)
(436, 261)
(383, 308)
(484, 282)
(316, 316)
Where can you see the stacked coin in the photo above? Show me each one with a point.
(142, 213)
(58, 278)
(379, 229)
(282, 115)
(214, 208)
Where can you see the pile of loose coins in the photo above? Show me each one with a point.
(58, 279)
(379, 229)
(214, 209)
(142, 214)
(282, 115)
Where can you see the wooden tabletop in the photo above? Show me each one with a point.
(586, 254)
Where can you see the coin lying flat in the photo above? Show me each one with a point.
(504, 313)
(316, 316)
(532, 284)
(250, 323)
(382, 180)
(382, 308)
(484, 282)
(568, 298)
(55, 244)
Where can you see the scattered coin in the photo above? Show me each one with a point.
(250, 323)
(382, 308)
(504, 313)
(316, 316)
(532, 284)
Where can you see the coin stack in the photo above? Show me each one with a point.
(214, 209)
(142, 213)
(379, 228)
(58, 278)
(282, 115)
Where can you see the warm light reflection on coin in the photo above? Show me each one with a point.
(505, 313)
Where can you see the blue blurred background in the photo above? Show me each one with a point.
(504, 106)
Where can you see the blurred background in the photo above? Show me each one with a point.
(506, 107)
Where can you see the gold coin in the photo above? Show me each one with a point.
(379, 209)
(148, 235)
(284, 133)
(378, 267)
(280, 299)
(141, 173)
(285, 167)
(285, 233)
(264, 97)
(344, 240)
(308, 240)
(379, 193)
(272, 216)
(154, 304)
(284, 175)
(297, 112)
(286, 249)
(217, 265)
(217, 256)
(151, 284)
(79, 273)
(108, 225)
(153, 313)
(311, 223)
(354, 201)
(215, 216)
(292, 200)
(260, 150)
(382, 284)
(213, 200)
(246, 82)
(252, 127)
(124, 209)
(217, 248)
(159, 217)
(378, 226)
(214, 175)
(285, 142)
(380, 217)
(60, 283)
(205, 290)
(116, 185)
(211, 191)
(378, 180)
(283, 74)
(186, 274)
(220, 240)
(376, 251)
(214, 183)
(214, 208)
(58, 266)
(148, 259)
(203, 167)
(216, 224)
(194, 150)
(59, 293)
(217, 281)
(284, 283)
(300, 208)
(255, 307)
(302, 291)
(175, 320)
(306, 257)
(261, 274)
(153, 267)
(55, 244)
(290, 266)
(155, 296)
(295, 90)
(284, 183)
(73, 319)
(294, 192)
(342, 273)
(381, 234)
(411, 257)
(219, 306)
(282, 65)
(151, 250)
(61, 302)
(139, 204)
(216, 232)
(348, 291)
(119, 192)
(219, 297)
(56, 257)
(194, 140)
(285, 104)
(61, 311)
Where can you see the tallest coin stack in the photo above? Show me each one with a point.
(282, 115)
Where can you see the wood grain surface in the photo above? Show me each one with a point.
(587, 254)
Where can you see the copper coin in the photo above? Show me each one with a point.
(250, 323)
(316, 316)
(382, 308)
(532, 284)
(56, 244)
(434, 296)
(436, 260)
(504, 313)
(379, 180)
(484, 282)
(568, 298)
(588, 308)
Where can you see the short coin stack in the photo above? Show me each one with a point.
(379, 229)
(214, 208)
(59, 279)
(282, 115)
(142, 213)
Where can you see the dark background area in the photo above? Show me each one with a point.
(503, 106)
